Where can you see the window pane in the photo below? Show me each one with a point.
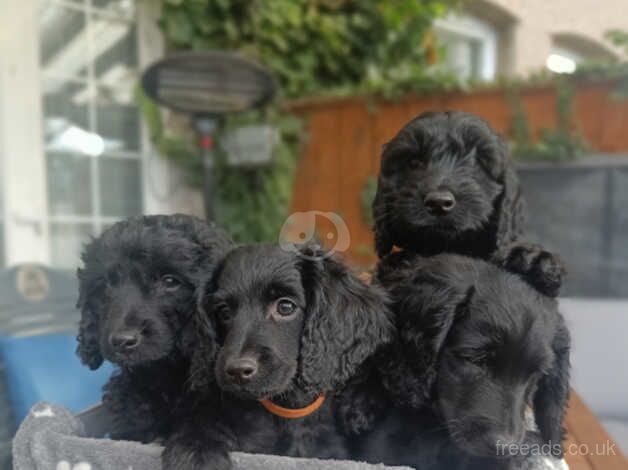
(66, 243)
(69, 184)
(118, 120)
(115, 50)
(120, 186)
(66, 118)
(63, 40)
(462, 54)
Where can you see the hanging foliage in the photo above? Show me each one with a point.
(313, 47)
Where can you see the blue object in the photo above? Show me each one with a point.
(46, 368)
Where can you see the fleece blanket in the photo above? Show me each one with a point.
(52, 438)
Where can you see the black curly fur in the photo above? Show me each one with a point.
(475, 347)
(451, 151)
(460, 153)
(336, 324)
(122, 289)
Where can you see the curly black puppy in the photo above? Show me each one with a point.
(476, 348)
(137, 300)
(292, 329)
(446, 186)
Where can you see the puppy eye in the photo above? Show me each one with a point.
(170, 282)
(478, 361)
(285, 307)
(474, 358)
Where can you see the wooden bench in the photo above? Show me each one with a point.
(588, 445)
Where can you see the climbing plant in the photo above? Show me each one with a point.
(318, 46)
(313, 47)
(562, 143)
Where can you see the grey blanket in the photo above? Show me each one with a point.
(52, 438)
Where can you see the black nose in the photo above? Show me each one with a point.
(439, 202)
(125, 340)
(243, 369)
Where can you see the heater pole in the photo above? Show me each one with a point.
(206, 128)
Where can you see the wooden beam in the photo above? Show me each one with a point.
(588, 443)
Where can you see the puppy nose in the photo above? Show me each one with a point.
(125, 340)
(439, 202)
(243, 369)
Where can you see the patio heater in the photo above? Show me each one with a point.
(208, 86)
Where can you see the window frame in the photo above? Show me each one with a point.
(95, 218)
(23, 165)
(468, 26)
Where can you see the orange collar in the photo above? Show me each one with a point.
(293, 413)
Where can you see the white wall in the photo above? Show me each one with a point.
(165, 191)
(21, 146)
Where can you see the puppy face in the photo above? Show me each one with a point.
(260, 312)
(478, 346)
(288, 320)
(138, 288)
(489, 370)
(144, 307)
(441, 177)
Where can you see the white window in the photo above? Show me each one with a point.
(74, 156)
(471, 46)
(570, 50)
(88, 56)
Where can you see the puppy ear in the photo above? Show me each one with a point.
(212, 238)
(383, 238)
(203, 346)
(509, 210)
(346, 321)
(552, 395)
(425, 318)
(88, 348)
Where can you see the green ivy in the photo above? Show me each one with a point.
(564, 143)
(318, 46)
(313, 47)
(252, 204)
(616, 70)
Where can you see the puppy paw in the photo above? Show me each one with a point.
(541, 269)
(360, 417)
(361, 405)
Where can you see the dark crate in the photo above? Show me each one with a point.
(580, 210)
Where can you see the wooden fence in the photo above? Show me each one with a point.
(346, 135)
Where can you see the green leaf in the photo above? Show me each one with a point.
(339, 47)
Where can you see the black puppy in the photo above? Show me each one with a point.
(476, 347)
(446, 186)
(137, 300)
(292, 329)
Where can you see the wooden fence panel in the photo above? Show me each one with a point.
(346, 137)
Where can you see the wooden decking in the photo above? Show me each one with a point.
(588, 445)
